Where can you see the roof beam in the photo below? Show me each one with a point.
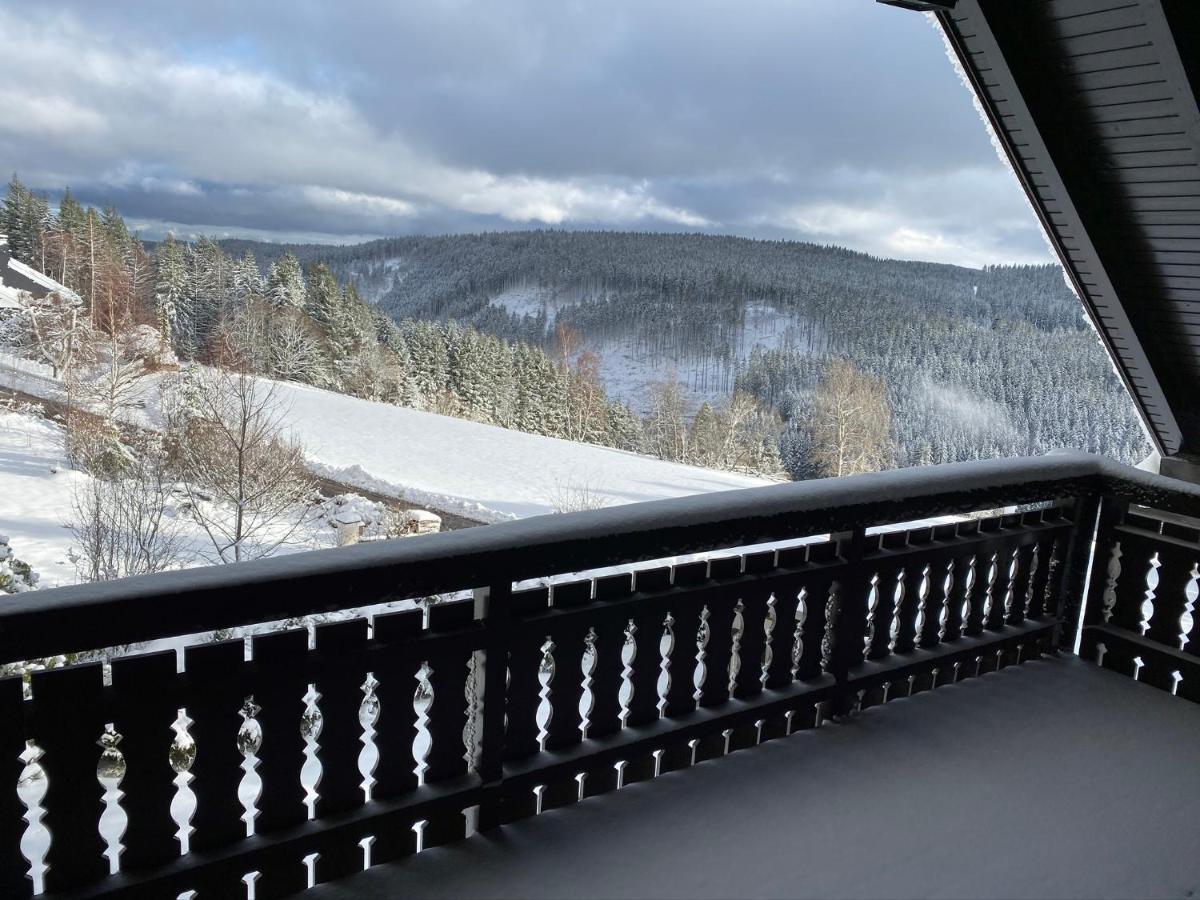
(1012, 79)
(922, 5)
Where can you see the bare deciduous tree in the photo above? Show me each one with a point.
(666, 428)
(568, 343)
(737, 435)
(124, 525)
(60, 329)
(851, 422)
(575, 494)
(244, 476)
(587, 406)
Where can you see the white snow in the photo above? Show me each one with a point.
(479, 471)
(36, 486)
(37, 490)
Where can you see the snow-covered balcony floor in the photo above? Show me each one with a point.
(1051, 779)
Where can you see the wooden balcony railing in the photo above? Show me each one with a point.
(185, 769)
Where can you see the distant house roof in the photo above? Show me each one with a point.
(1094, 103)
(16, 277)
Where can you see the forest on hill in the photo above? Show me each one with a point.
(718, 351)
(976, 363)
(298, 322)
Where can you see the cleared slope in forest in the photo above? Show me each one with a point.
(480, 471)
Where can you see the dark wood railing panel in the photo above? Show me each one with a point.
(216, 673)
(143, 711)
(1140, 618)
(776, 639)
(395, 670)
(340, 682)
(608, 643)
(280, 681)
(563, 671)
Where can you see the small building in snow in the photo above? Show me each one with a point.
(17, 278)
(349, 526)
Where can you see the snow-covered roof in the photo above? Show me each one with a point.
(18, 274)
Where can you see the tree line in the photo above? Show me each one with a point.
(975, 363)
(299, 322)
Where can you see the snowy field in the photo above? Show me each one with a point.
(480, 471)
(38, 489)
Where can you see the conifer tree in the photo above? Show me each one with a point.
(23, 219)
(247, 279)
(324, 294)
(171, 290)
(285, 283)
(209, 289)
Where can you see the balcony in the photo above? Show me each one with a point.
(977, 707)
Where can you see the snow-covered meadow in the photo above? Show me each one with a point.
(38, 488)
(482, 472)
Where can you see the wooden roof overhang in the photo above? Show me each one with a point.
(1094, 104)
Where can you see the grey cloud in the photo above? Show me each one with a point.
(832, 120)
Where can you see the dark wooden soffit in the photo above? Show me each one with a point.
(1094, 103)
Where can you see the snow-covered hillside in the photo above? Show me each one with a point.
(38, 489)
(480, 471)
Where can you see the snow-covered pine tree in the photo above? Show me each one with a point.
(324, 294)
(15, 576)
(171, 290)
(23, 219)
(63, 242)
(247, 279)
(285, 283)
(116, 232)
(391, 342)
(468, 377)
(624, 428)
(209, 288)
(706, 437)
(430, 360)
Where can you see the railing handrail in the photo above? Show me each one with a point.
(152, 607)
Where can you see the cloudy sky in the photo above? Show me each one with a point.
(837, 121)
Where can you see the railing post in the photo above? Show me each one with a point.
(1073, 578)
(494, 607)
(1106, 567)
(847, 614)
